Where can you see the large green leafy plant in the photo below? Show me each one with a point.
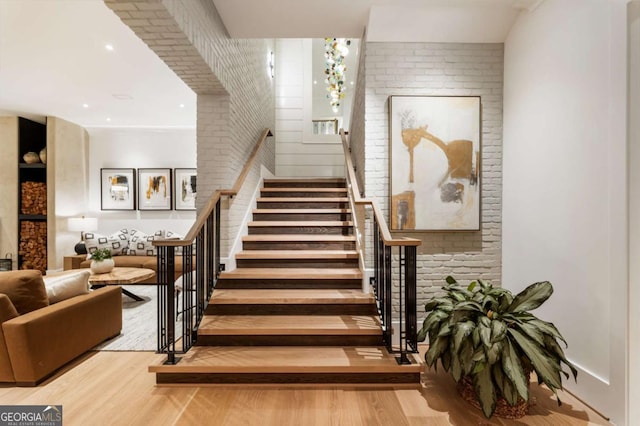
(488, 334)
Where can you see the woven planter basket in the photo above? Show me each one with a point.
(503, 409)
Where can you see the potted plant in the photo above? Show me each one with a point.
(490, 343)
(101, 261)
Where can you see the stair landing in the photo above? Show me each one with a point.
(276, 364)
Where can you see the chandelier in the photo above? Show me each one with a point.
(335, 49)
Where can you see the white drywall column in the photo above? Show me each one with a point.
(634, 210)
(565, 183)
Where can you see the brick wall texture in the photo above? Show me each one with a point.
(235, 91)
(439, 69)
(357, 129)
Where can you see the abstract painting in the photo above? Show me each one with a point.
(434, 163)
(154, 189)
(185, 189)
(117, 187)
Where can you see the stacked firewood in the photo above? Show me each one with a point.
(33, 245)
(34, 198)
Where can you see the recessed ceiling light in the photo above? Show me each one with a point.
(352, 83)
(122, 96)
(85, 105)
(108, 119)
(109, 47)
(315, 82)
(181, 105)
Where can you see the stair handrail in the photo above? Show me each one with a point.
(382, 280)
(202, 216)
(200, 268)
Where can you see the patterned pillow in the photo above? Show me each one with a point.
(170, 235)
(118, 243)
(141, 244)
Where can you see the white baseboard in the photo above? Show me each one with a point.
(236, 248)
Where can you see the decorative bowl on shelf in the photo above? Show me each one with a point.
(43, 155)
(31, 158)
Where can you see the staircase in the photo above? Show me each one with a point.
(293, 311)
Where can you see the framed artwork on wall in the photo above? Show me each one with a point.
(154, 189)
(117, 189)
(434, 163)
(184, 189)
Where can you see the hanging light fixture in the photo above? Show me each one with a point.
(335, 49)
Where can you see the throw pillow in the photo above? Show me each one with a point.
(118, 243)
(25, 289)
(66, 286)
(170, 235)
(141, 244)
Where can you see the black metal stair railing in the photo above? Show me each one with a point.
(397, 307)
(184, 300)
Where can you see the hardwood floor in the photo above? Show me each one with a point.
(114, 388)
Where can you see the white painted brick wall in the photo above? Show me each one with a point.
(235, 91)
(357, 130)
(440, 69)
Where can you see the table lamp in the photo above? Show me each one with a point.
(82, 224)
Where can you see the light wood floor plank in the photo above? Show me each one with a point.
(113, 388)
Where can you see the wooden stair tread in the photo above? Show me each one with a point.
(301, 211)
(297, 254)
(293, 273)
(287, 223)
(298, 238)
(290, 296)
(305, 180)
(343, 190)
(286, 359)
(303, 199)
(289, 325)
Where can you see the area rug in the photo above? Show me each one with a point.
(139, 322)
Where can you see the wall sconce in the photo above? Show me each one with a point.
(272, 65)
(82, 224)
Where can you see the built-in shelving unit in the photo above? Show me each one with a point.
(32, 197)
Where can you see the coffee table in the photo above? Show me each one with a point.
(120, 276)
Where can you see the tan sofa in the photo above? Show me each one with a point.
(37, 338)
(148, 262)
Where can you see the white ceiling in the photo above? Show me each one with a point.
(340, 18)
(53, 60)
(53, 57)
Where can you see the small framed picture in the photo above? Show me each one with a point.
(154, 189)
(118, 189)
(184, 183)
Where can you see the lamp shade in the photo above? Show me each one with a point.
(82, 224)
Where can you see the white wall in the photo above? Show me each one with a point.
(634, 210)
(296, 154)
(564, 195)
(139, 148)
